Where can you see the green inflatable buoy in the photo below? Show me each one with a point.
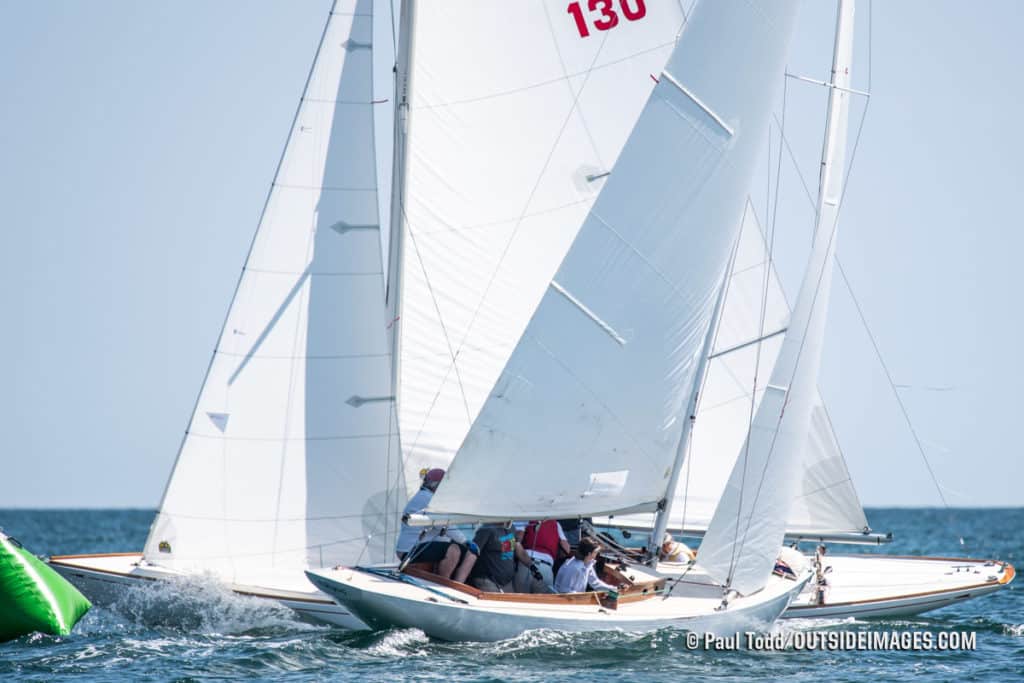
(33, 597)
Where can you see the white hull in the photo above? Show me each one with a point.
(105, 578)
(864, 586)
(451, 614)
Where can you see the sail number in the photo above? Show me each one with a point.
(603, 14)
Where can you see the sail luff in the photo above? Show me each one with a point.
(249, 252)
(742, 541)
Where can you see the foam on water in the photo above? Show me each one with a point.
(201, 604)
(197, 629)
(406, 642)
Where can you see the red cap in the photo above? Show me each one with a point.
(433, 476)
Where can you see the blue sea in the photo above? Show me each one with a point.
(230, 637)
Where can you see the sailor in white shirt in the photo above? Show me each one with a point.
(577, 574)
(448, 551)
(409, 535)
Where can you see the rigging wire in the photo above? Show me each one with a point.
(394, 30)
(749, 205)
(817, 291)
(736, 546)
(800, 349)
(893, 386)
(878, 354)
(714, 342)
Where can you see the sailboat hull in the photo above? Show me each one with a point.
(866, 586)
(105, 578)
(450, 614)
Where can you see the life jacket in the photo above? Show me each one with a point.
(542, 537)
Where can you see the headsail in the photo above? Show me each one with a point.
(741, 544)
(291, 458)
(826, 502)
(587, 414)
(515, 120)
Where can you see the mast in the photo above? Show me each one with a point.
(403, 56)
(665, 507)
(396, 241)
(741, 544)
(833, 152)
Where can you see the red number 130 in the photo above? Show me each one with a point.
(631, 9)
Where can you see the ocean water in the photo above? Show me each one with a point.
(221, 636)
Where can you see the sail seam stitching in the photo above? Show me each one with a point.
(541, 84)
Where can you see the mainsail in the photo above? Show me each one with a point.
(291, 458)
(515, 119)
(741, 544)
(587, 415)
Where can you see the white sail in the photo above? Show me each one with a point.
(826, 502)
(587, 415)
(741, 544)
(725, 403)
(291, 458)
(514, 119)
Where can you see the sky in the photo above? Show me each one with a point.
(139, 140)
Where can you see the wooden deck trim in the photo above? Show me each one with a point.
(64, 558)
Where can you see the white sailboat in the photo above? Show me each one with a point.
(291, 460)
(825, 506)
(589, 414)
(291, 457)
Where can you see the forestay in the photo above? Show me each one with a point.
(586, 417)
(291, 458)
(515, 120)
(826, 501)
(742, 542)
